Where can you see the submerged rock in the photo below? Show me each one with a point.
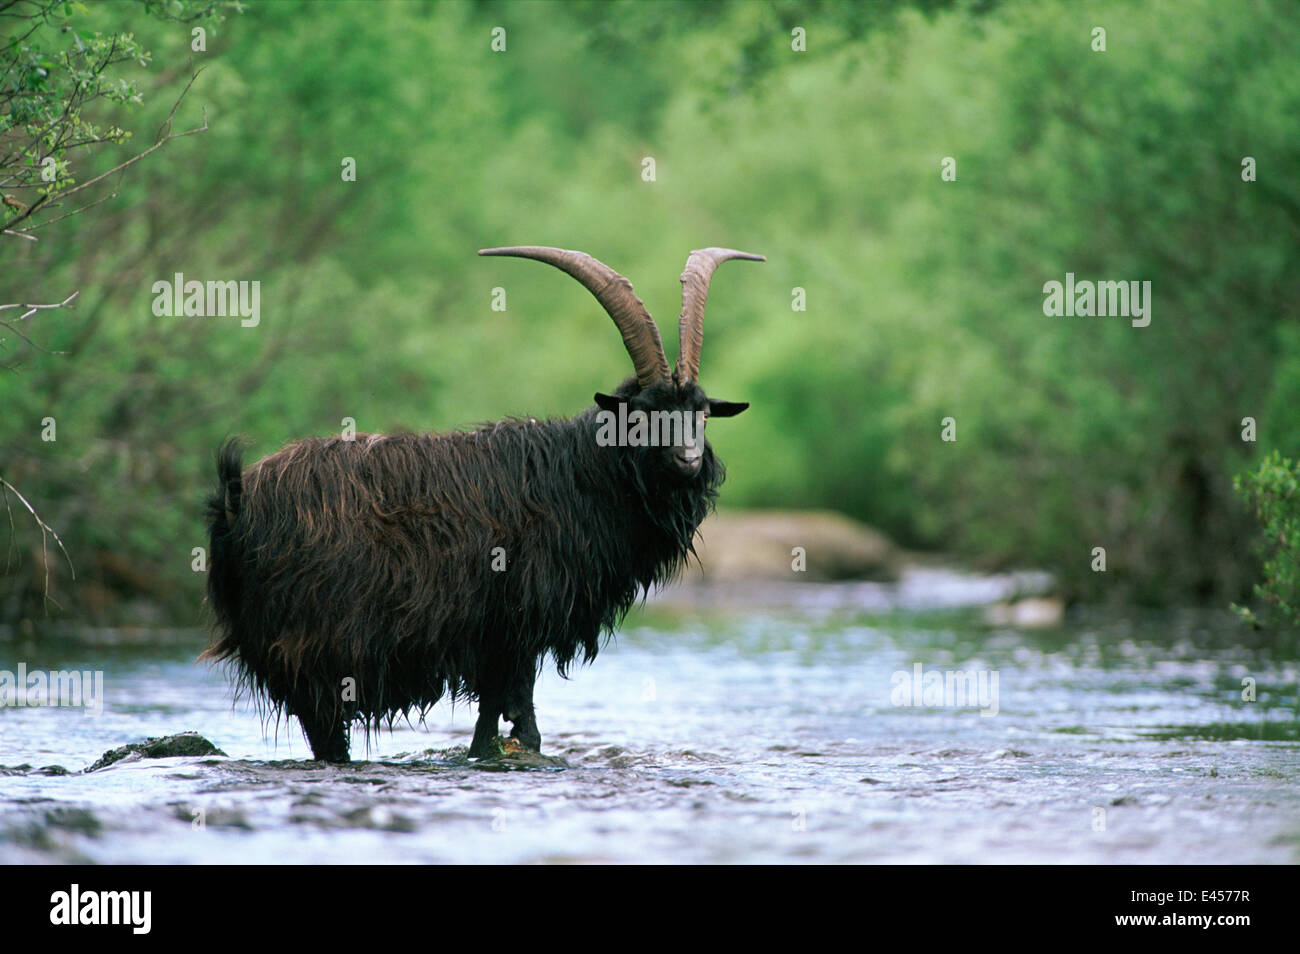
(79, 820)
(505, 752)
(169, 746)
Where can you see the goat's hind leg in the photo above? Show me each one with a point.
(328, 739)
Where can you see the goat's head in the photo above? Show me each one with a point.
(671, 400)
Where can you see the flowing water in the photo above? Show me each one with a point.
(733, 734)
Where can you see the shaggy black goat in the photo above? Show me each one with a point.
(354, 580)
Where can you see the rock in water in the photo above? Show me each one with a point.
(506, 752)
(169, 746)
(761, 544)
(1040, 612)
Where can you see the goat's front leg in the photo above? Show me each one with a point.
(519, 710)
(486, 728)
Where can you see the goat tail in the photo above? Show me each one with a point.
(223, 511)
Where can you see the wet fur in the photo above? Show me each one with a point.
(372, 558)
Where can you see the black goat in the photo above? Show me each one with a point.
(354, 580)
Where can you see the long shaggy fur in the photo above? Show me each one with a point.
(372, 560)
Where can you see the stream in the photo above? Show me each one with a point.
(810, 729)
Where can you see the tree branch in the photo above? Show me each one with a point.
(12, 323)
(46, 532)
(165, 135)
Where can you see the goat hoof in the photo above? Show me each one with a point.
(500, 747)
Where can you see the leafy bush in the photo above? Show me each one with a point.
(1272, 490)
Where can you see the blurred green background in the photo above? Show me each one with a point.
(924, 297)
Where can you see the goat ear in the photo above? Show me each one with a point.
(608, 402)
(726, 408)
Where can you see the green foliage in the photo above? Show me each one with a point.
(1272, 491)
(924, 297)
(56, 72)
(46, 93)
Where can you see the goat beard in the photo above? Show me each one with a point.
(673, 503)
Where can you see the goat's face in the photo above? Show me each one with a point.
(670, 439)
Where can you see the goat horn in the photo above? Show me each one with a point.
(701, 265)
(614, 292)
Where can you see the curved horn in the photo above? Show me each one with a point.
(614, 292)
(699, 270)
